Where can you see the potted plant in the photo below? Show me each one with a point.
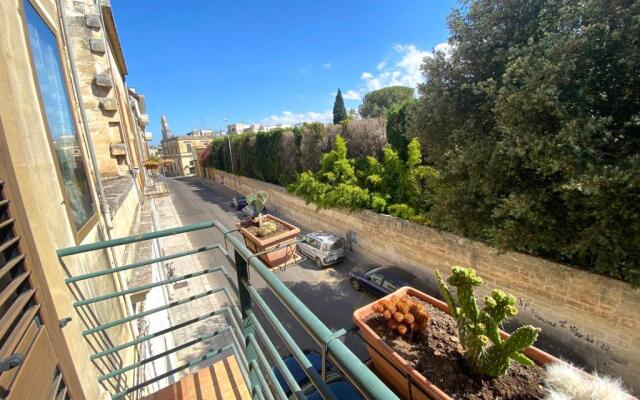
(453, 349)
(272, 237)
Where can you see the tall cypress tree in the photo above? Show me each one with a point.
(339, 112)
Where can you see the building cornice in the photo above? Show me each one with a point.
(112, 34)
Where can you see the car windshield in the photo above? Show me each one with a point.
(337, 245)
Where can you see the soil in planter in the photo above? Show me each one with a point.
(253, 228)
(437, 354)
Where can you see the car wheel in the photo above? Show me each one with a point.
(318, 263)
(355, 284)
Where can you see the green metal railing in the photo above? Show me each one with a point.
(255, 351)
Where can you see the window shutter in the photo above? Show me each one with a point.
(28, 367)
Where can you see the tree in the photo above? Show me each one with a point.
(335, 184)
(339, 111)
(400, 127)
(533, 121)
(376, 103)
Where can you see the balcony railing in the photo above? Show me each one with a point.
(254, 350)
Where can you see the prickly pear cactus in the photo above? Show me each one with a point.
(266, 228)
(479, 330)
(258, 200)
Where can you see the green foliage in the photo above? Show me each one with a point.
(314, 134)
(339, 111)
(402, 210)
(533, 122)
(269, 165)
(309, 188)
(335, 184)
(258, 200)
(376, 103)
(379, 202)
(348, 196)
(297, 140)
(369, 172)
(365, 182)
(479, 330)
(400, 129)
(245, 151)
(391, 173)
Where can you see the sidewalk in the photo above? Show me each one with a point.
(157, 213)
(167, 218)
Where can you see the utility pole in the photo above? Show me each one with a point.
(233, 171)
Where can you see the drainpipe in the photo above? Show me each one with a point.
(102, 199)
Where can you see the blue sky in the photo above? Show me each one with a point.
(270, 62)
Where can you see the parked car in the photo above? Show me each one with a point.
(323, 247)
(298, 372)
(380, 281)
(238, 202)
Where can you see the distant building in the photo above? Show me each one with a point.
(254, 128)
(155, 151)
(237, 128)
(181, 149)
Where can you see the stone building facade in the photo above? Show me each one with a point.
(71, 144)
(116, 117)
(182, 149)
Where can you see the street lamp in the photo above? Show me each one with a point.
(235, 185)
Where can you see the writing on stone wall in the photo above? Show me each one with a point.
(562, 324)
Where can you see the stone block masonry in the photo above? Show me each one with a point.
(590, 319)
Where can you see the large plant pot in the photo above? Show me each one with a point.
(395, 370)
(278, 249)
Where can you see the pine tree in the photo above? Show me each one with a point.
(339, 111)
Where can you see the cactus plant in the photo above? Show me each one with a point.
(258, 201)
(565, 381)
(404, 316)
(479, 330)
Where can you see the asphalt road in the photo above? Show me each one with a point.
(326, 292)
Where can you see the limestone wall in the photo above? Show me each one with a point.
(29, 167)
(110, 129)
(585, 317)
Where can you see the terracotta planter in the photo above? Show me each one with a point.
(385, 358)
(285, 241)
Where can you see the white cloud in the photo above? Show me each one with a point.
(327, 65)
(404, 72)
(290, 118)
(352, 95)
(444, 47)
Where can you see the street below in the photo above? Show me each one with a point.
(327, 292)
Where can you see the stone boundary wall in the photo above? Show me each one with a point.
(588, 318)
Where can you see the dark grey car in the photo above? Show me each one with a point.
(380, 281)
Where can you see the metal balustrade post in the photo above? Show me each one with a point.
(248, 329)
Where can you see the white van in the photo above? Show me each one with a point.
(323, 247)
